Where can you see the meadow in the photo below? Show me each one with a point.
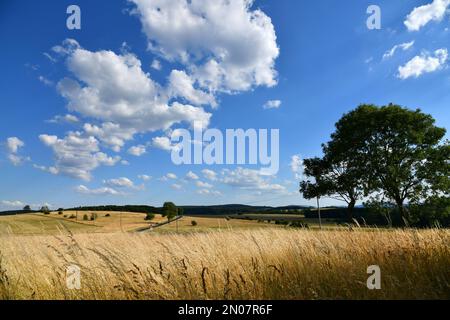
(228, 263)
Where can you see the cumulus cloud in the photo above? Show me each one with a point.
(272, 104)
(250, 180)
(404, 46)
(137, 151)
(76, 155)
(163, 143)
(202, 184)
(122, 182)
(176, 186)
(425, 63)
(68, 118)
(421, 16)
(191, 176)
(110, 134)
(209, 174)
(227, 45)
(156, 64)
(209, 192)
(297, 166)
(13, 146)
(182, 86)
(144, 177)
(97, 192)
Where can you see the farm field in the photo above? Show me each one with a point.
(53, 224)
(270, 263)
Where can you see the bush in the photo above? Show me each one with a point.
(107, 215)
(94, 216)
(85, 217)
(73, 216)
(60, 212)
(150, 216)
(65, 216)
(194, 223)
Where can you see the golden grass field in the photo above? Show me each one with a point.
(256, 263)
(40, 224)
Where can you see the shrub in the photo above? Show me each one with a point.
(94, 216)
(73, 216)
(194, 223)
(60, 212)
(107, 215)
(150, 216)
(85, 217)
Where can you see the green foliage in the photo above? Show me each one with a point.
(194, 223)
(45, 210)
(150, 216)
(85, 217)
(391, 152)
(435, 212)
(27, 208)
(170, 210)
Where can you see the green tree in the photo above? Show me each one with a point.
(27, 208)
(400, 150)
(169, 211)
(45, 210)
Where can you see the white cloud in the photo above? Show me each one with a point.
(209, 192)
(182, 86)
(76, 155)
(209, 174)
(191, 176)
(144, 177)
(111, 134)
(404, 46)
(123, 182)
(45, 81)
(13, 146)
(172, 176)
(272, 104)
(156, 64)
(202, 184)
(163, 143)
(424, 63)
(119, 182)
(137, 151)
(297, 166)
(422, 15)
(13, 204)
(97, 192)
(69, 118)
(226, 45)
(176, 186)
(250, 180)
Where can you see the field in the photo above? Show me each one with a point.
(256, 263)
(112, 222)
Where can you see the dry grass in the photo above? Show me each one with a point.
(248, 264)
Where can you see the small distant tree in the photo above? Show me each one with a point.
(170, 210)
(85, 217)
(27, 208)
(150, 216)
(194, 223)
(45, 210)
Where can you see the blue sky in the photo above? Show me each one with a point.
(76, 102)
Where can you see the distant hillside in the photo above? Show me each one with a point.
(227, 209)
(15, 212)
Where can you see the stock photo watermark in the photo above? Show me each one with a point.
(374, 280)
(73, 277)
(73, 22)
(236, 146)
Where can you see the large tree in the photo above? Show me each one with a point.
(170, 210)
(400, 150)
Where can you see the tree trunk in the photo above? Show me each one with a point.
(402, 211)
(351, 206)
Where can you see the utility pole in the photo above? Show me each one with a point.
(318, 211)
